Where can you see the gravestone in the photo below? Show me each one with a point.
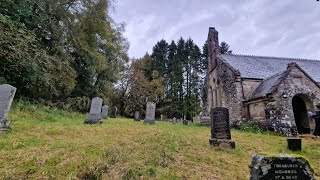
(174, 120)
(94, 115)
(281, 167)
(137, 116)
(205, 120)
(294, 144)
(161, 117)
(104, 112)
(114, 112)
(185, 122)
(220, 128)
(150, 113)
(7, 93)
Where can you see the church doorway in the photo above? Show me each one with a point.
(301, 105)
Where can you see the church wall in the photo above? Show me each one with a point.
(294, 84)
(231, 91)
(249, 85)
(257, 111)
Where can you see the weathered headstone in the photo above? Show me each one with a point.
(294, 144)
(114, 110)
(161, 117)
(174, 120)
(7, 93)
(281, 167)
(205, 120)
(150, 113)
(137, 116)
(220, 128)
(104, 112)
(94, 115)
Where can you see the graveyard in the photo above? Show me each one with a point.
(47, 143)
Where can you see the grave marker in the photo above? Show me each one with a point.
(104, 112)
(137, 116)
(282, 167)
(94, 115)
(150, 113)
(7, 93)
(220, 128)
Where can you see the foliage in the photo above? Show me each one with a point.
(59, 50)
(250, 126)
(225, 48)
(138, 88)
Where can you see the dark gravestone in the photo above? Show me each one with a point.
(220, 128)
(137, 116)
(150, 113)
(94, 115)
(282, 167)
(185, 122)
(7, 93)
(104, 112)
(114, 112)
(294, 144)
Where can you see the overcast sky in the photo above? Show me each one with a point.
(285, 28)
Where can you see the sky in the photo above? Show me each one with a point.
(281, 28)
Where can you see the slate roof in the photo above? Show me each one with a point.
(260, 67)
(268, 85)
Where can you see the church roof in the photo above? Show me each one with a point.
(268, 85)
(260, 67)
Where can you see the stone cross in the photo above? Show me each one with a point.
(104, 112)
(94, 115)
(280, 167)
(220, 128)
(137, 116)
(150, 113)
(7, 93)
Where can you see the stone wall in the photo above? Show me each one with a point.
(296, 83)
(249, 85)
(229, 91)
(257, 110)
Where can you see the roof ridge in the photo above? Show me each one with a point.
(272, 57)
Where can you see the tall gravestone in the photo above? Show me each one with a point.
(220, 128)
(104, 112)
(136, 115)
(114, 112)
(281, 167)
(94, 115)
(7, 93)
(150, 113)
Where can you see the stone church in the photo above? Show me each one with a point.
(273, 91)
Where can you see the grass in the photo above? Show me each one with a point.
(48, 143)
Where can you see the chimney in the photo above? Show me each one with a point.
(213, 48)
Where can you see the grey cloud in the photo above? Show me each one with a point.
(259, 27)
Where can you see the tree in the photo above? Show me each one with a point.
(140, 89)
(225, 48)
(59, 50)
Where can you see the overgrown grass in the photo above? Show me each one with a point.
(53, 144)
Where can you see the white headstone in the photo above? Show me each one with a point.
(150, 113)
(94, 116)
(104, 112)
(7, 93)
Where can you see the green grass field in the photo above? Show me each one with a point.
(52, 144)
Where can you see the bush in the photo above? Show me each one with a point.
(250, 126)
